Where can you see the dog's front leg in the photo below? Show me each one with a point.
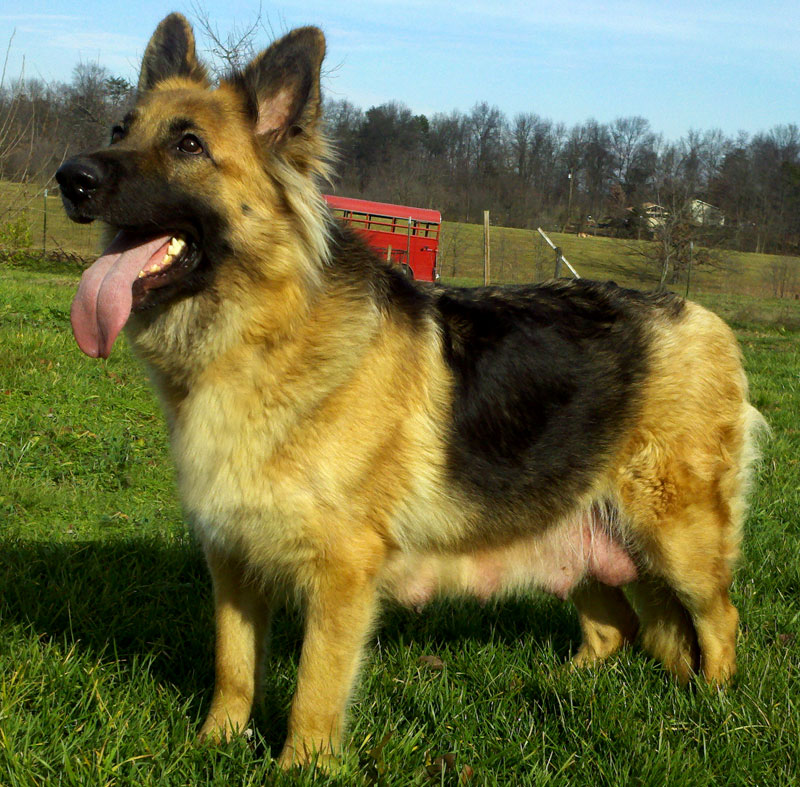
(242, 616)
(340, 609)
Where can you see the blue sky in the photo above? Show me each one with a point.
(733, 65)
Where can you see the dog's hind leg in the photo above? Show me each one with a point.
(698, 564)
(242, 617)
(607, 621)
(689, 546)
(667, 631)
(694, 565)
(341, 603)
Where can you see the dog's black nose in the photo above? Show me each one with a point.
(79, 178)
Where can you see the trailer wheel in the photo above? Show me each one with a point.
(407, 272)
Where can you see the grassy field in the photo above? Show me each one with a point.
(517, 255)
(106, 622)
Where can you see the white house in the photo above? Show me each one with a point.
(706, 215)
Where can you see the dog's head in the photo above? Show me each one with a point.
(197, 178)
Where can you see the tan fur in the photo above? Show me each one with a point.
(682, 480)
(607, 622)
(309, 429)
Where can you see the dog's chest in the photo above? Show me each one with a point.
(238, 487)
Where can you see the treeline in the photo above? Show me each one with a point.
(41, 123)
(526, 170)
(531, 171)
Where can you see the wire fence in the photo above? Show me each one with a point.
(520, 256)
(33, 221)
(517, 256)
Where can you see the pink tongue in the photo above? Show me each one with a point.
(103, 302)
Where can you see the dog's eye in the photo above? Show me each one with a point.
(190, 144)
(117, 133)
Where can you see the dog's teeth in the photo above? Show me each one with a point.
(176, 245)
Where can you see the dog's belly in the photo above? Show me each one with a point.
(554, 560)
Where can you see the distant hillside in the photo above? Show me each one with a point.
(519, 256)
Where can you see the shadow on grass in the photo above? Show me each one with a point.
(123, 597)
(138, 597)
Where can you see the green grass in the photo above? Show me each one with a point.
(106, 624)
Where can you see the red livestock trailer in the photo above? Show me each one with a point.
(407, 236)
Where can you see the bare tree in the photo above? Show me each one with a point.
(522, 137)
(632, 148)
(486, 124)
(782, 276)
(229, 51)
(24, 120)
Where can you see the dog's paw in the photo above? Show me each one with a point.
(300, 757)
(585, 658)
(214, 733)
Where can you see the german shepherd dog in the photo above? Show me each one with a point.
(344, 435)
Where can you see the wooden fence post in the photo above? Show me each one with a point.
(44, 227)
(486, 261)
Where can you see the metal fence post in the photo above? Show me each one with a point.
(559, 256)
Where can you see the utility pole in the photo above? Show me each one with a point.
(569, 202)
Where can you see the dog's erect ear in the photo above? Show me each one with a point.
(282, 86)
(171, 53)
